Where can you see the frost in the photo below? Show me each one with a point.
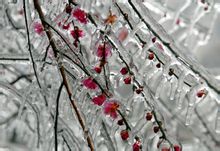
(68, 77)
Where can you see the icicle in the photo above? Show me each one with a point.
(179, 92)
(160, 87)
(191, 96)
(190, 110)
(217, 122)
(180, 99)
(173, 88)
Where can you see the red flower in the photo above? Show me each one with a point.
(156, 129)
(89, 83)
(177, 148)
(120, 122)
(80, 15)
(110, 108)
(68, 9)
(136, 146)
(158, 65)
(178, 21)
(151, 56)
(201, 93)
(77, 33)
(101, 48)
(154, 39)
(38, 28)
(124, 135)
(124, 70)
(98, 69)
(66, 27)
(127, 80)
(149, 116)
(99, 100)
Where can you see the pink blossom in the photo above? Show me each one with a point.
(124, 135)
(89, 83)
(154, 39)
(103, 49)
(110, 108)
(80, 15)
(136, 146)
(99, 100)
(68, 9)
(123, 33)
(98, 69)
(77, 33)
(124, 70)
(127, 80)
(38, 28)
(66, 27)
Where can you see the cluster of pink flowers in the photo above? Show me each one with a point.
(80, 15)
(104, 50)
(124, 71)
(38, 28)
(110, 107)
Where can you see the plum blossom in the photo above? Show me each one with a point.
(77, 33)
(98, 69)
(124, 135)
(80, 15)
(137, 146)
(124, 70)
(38, 28)
(127, 80)
(103, 49)
(110, 108)
(99, 100)
(89, 83)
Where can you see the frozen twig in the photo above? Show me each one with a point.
(62, 71)
(29, 49)
(56, 116)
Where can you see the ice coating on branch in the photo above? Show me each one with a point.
(173, 88)
(90, 103)
(217, 121)
(191, 97)
(151, 21)
(160, 86)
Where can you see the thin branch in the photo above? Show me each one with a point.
(82, 68)
(62, 71)
(27, 77)
(139, 85)
(29, 49)
(68, 146)
(124, 119)
(56, 115)
(178, 57)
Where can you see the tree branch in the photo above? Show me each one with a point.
(62, 71)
